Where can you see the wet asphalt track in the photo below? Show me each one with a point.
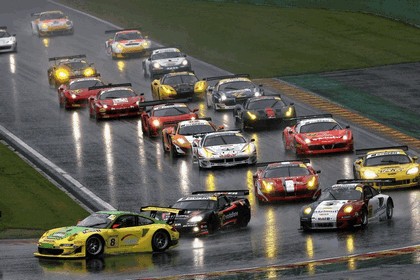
(127, 170)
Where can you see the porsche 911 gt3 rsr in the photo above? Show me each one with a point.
(8, 42)
(347, 204)
(75, 93)
(177, 85)
(224, 148)
(165, 60)
(51, 22)
(127, 42)
(317, 134)
(109, 232)
(286, 180)
(388, 163)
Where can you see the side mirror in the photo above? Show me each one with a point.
(318, 171)
(195, 110)
(358, 162)
(291, 103)
(155, 83)
(260, 85)
(347, 126)
(238, 107)
(61, 88)
(194, 144)
(415, 158)
(149, 59)
(220, 127)
(252, 140)
(210, 90)
(290, 131)
(141, 94)
(316, 194)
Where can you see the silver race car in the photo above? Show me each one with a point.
(8, 42)
(165, 60)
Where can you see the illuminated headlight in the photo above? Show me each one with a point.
(167, 90)
(369, 174)
(289, 112)
(62, 74)
(44, 26)
(196, 219)
(105, 106)
(345, 137)
(73, 96)
(257, 93)
(89, 72)
(206, 153)
(120, 47)
(307, 210)
(156, 123)
(307, 140)
(146, 43)
(413, 170)
(268, 186)
(251, 115)
(184, 62)
(180, 141)
(248, 149)
(223, 97)
(193, 118)
(138, 103)
(156, 65)
(348, 209)
(69, 23)
(311, 183)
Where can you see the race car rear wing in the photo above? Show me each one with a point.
(157, 209)
(379, 182)
(364, 151)
(303, 160)
(35, 14)
(159, 102)
(110, 86)
(311, 117)
(66, 57)
(3, 27)
(226, 77)
(225, 192)
(125, 29)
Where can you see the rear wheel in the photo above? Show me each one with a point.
(94, 246)
(389, 210)
(243, 222)
(160, 241)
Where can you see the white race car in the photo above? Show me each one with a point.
(224, 148)
(51, 22)
(165, 60)
(8, 42)
(127, 42)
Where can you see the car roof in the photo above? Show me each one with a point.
(165, 50)
(236, 79)
(221, 133)
(116, 88)
(377, 153)
(51, 12)
(128, 31)
(345, 186)
(316, 120)
(210, 196)
(183, 73)
(286, 164)
(193, 122)
(169, 105)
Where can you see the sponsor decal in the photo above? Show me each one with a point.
(117, 101)
(129, 239)
(231, 215)
(391, 169)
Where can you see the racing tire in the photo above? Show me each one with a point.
(243, 222)
(364, 219)
(60, 103)
(172, 153)
(355, 173)
(207, 101)
(389, 210)
(213, 225)
(160, 241)
(94, 246)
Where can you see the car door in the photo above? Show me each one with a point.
(228, 213)
(126, 234)
(372, 202)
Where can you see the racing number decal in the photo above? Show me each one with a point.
(112, 241)
(370, 210)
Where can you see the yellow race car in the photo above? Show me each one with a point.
(66, 67)
(388, 163)
(177, 85)
(111, 232)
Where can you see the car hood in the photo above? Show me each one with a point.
(6, 40)
(65, 232)
(120, 101)
(170, 61)
(238, 93)
(330, 206)
(235, 148)
(325, 135)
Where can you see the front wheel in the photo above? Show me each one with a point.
(160, 241)
(94, 246)
(389, 210)
(364, 219)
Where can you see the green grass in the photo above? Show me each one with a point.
(29, 203)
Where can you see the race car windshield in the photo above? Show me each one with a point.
(172, 111)
(195, 129)
(319, 126)
(195, 204)
(113, 94)
(266, 103)
(340, 194)
(286, 171)
(180, 79)
(4, 34)
(237, 85)
(165, 55)
(387, 160)
(128, 36)
(223, 140)
(49, 16)
(77, 64)
(85, 84)
(96, 220)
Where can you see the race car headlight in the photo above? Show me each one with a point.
(180, 141)
(69, 23)
(369, 174)
(307, 140)
(184, 62)
(120, 47)
(307, 210)
(72, 237)
(223, 97)
(44, 26)
(345, 137)
(89, 72)
(207, 153)
(257, 93)
(105, 106)
(311, 183)
(156, 65)
(248, 149)
(251, 115)
(62, 74)
(268, 186)
(196, 219)
(413, 170)
(289, 112)
(348, 209)
(156, 123)
(73, 96)
(146, 43)
(168, 90)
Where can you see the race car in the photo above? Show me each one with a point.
(206, 212)
(50, 23)
(317, 134)
(8, 42)
(227, 91)
(165, 60)
(110, 232)
(388, 163)
(224, 148)
(115, 101)
(164, 113)
(263, 110)
(75, 93)
(177, 139)
(66, 66)
(347, 204)
(286, 180)
(127, 42)
(177, 85)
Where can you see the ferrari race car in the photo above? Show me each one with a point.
(8, 42)
(114, 101)
(224, 148)
(165, 60)
(65, 67)
(317, 134)
(263, 110)
(177, 139)
(388, 163)
(206, 212)
(230, 90)
(75, 93)
(347, 204)
(110, 232)
(286, 180)
(177, 85)
(51, 22)
(127, 42)
(165, 113)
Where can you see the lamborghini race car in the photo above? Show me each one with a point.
(66, 66)
(347, 204)
(165, 60)
(75, 93)
(224, 148)
(110, 232)
(51, 22)
(388, 163)
(177, 85)
(164, 113)
(206, 212)
(127, 42)
(263, 110)
(115, 101)
(8, 42)
(177, 139)
(230, 90)
(286, 180)
(317, 134)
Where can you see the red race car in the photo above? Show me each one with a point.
(75, 93)
(164, 113)
(114, 101)
(286, 180)
(317, 134)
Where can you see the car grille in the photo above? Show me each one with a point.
(5, 47)
(49, 251)
(327, 147)
(323, 225)
(123, 110)
(229, 160)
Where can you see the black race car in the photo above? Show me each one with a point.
(65, 67)
(208, 211)
(262, 110)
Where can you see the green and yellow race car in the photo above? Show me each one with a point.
(111, 232)
(388, 163)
